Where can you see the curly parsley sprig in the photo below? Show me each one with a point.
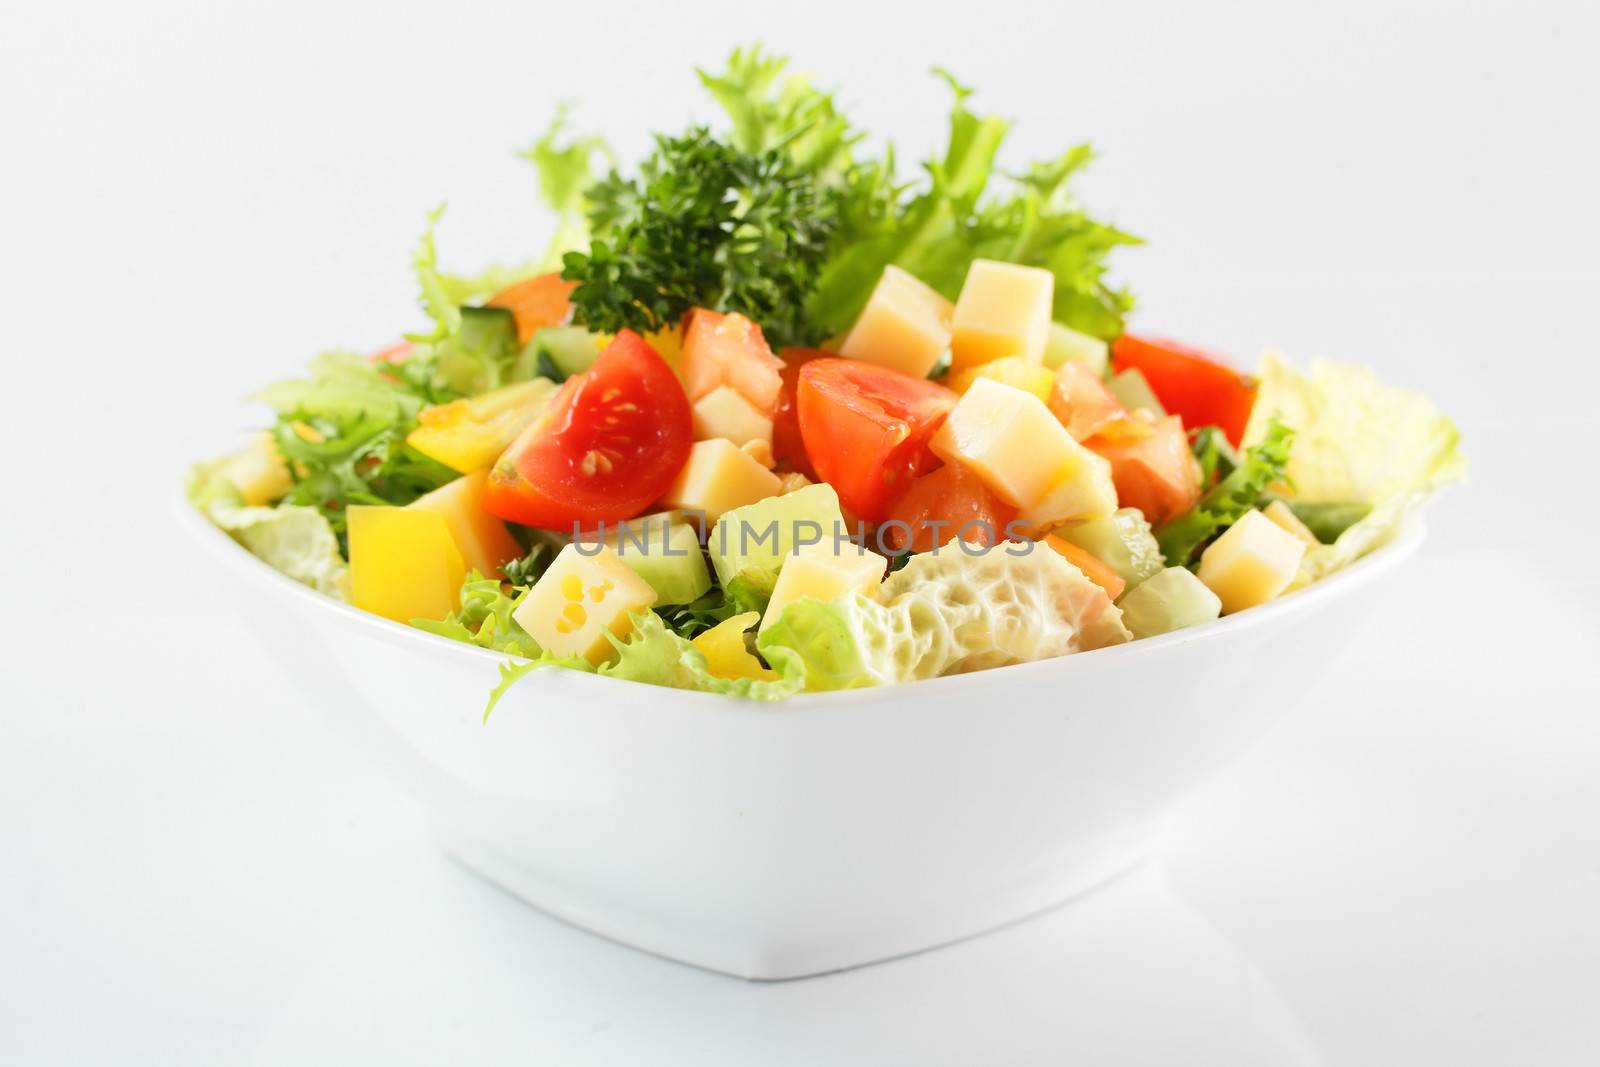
(704, 225)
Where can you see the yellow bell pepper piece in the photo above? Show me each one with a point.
(726, 654)
(470, 434)
(404, 564)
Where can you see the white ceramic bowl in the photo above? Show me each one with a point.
(774, 841)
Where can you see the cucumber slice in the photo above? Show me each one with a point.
(559, 352)
(1122, 541)
(1063, 344)
(483, 348)
(1168, 601)
(1131, 389)
(486, 329)
(666, 554)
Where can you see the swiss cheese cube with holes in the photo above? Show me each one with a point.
(1003, 310)
(580, 599)
(905, 326)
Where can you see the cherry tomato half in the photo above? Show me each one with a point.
(608, 445)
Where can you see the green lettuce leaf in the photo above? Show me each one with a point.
(945, 613)
(343, 432)
(484, 618)
(653, 654)
(1226, 502)
(936, 231)
(769, 113)
(512, 672)
(476, 288)
(1357, 441)
(565, 169)
(298, 541)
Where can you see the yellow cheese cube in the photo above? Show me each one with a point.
(259, 472)
(727, 655)
(404, 564)
(719, 477)
(483, 540)
(1020, 450)
(1003, 310)
(905, 325)
(826, 570)
(1284, 516)
(1085, 491)
(1032, 378)
(1253, 561)
(723, 412)
(580, 599)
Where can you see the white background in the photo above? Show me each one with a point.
(196, 198)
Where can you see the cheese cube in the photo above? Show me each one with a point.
(259, 472)
(1168, 600)
(826, 570)
(1009, 370)
(404, 564)
(723, 412)
(1284, 516)
(582, 598)
(483, 540)
(719, 477)
(1253, 561)
(1023, 453)
(905, 325)
(1086, 491)
(1003, 310)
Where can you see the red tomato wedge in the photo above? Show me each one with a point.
(729, 350)
(938, 507)
(1156, 472)
(608, 445)
(1196, 385)
(1082, 402)
(536, 303)
(788, 448)
(866, 429)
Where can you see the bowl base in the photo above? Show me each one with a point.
(756, 953)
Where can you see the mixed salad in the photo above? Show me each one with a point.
(770, 417)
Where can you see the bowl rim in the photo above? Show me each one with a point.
(1378, 561)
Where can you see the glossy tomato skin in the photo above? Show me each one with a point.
(729, 350)
(866, 429)
(608, 445)
(1155, 471)
(1081, 401)
(942, 505)
(788, 447)
(1191, 383)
